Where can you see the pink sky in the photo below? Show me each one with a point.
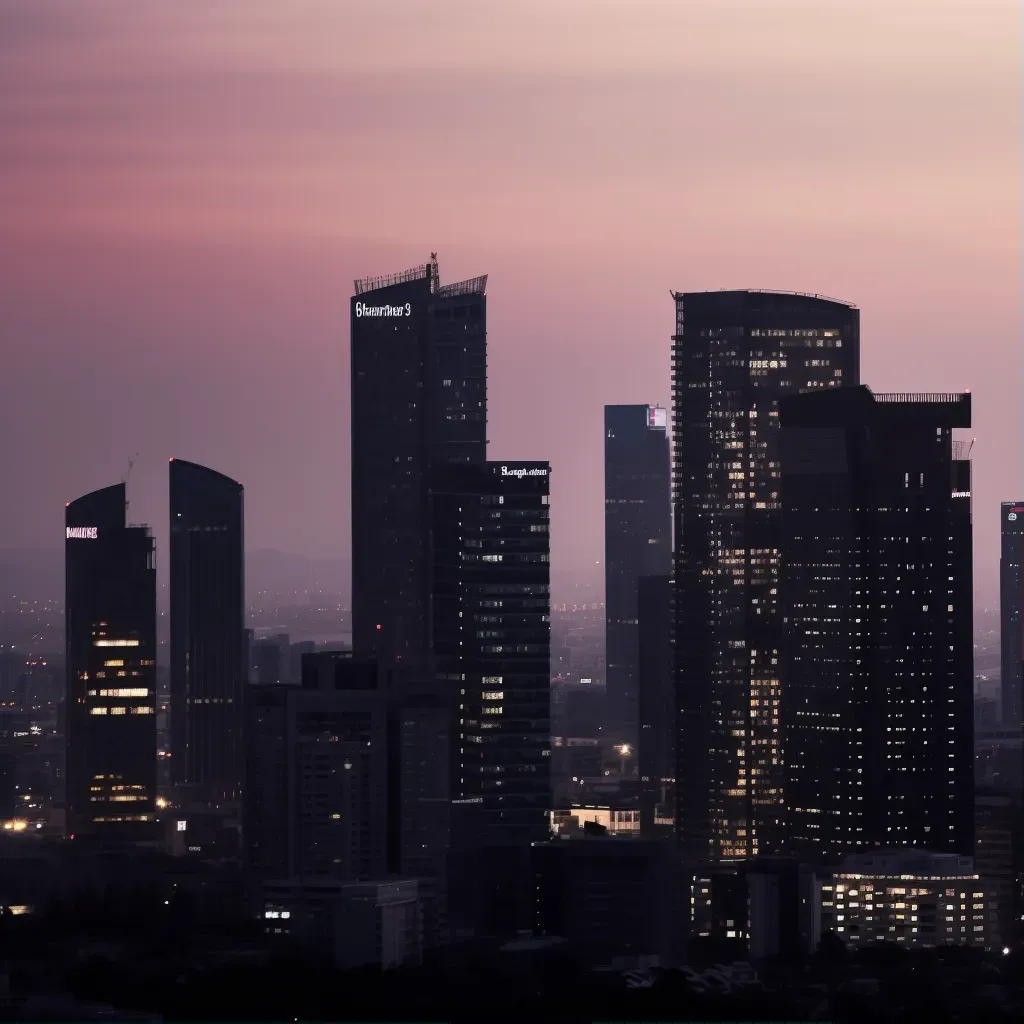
(188, 190)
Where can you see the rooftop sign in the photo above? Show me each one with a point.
(362, 309)
(82, 533)
(657, 418)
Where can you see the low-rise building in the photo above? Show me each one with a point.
(361, 923)
(909, 897)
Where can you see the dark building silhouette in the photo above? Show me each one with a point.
(270, 660)
(208, 649)
(317, 798)
(578, 709)
(734, 355)
(656, 750)
(419, 398)
(999, 855)
(611, 898)
(426, 727)
(877, 704)
(267, 796)
(751, 909)
(12, 668)
(492, 644)
(8, 783)
(1011, 610)
(998, 755)
(110, 633)
(637, 542)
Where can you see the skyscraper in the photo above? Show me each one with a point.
(110, 637)
(419, 398)
(877, 659)
(492, 643)
(637, 542)
(734, 355)
(1011, 611)
(207, 598)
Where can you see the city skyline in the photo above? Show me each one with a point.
(584, 423)
(215, 257)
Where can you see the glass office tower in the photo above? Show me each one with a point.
(207, 599)
(637, 542)
(491, 614)
(110, 638)
(419, 398)
(877, 705)
(734, 355)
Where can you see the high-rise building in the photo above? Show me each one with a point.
(637, 542)
(492, 644)
(316, 801)
(419, 398)
(877, 597)
(110, 642)
(734, 355)
(657, 742)
(1011, 611)
(999, 856)
(208, 650)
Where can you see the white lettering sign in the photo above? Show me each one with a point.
(522, 471)
(363, 310)
(82, 533)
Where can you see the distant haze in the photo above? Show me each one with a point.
(38, 575)
(188, 189)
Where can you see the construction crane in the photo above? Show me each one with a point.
(435, 274)
(124, 480)
(131, 466)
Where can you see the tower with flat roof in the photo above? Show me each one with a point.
(419, 399)
(877, 660)
(735, 354)
(637, 543)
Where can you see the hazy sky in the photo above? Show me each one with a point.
(188, 189)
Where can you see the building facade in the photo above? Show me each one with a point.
(419, 398)
(657, 741)
(877, 710)
(1011, 611)
(317, 799)
(614, 899)
(110, 646)
(734, 355)
(491, 617)
(208, 648)
(364, 924)
(637, 542)
(912, 898)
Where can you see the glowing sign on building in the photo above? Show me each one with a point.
(364, 310)
(657, 418)
(82, 533)
(521, 471)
